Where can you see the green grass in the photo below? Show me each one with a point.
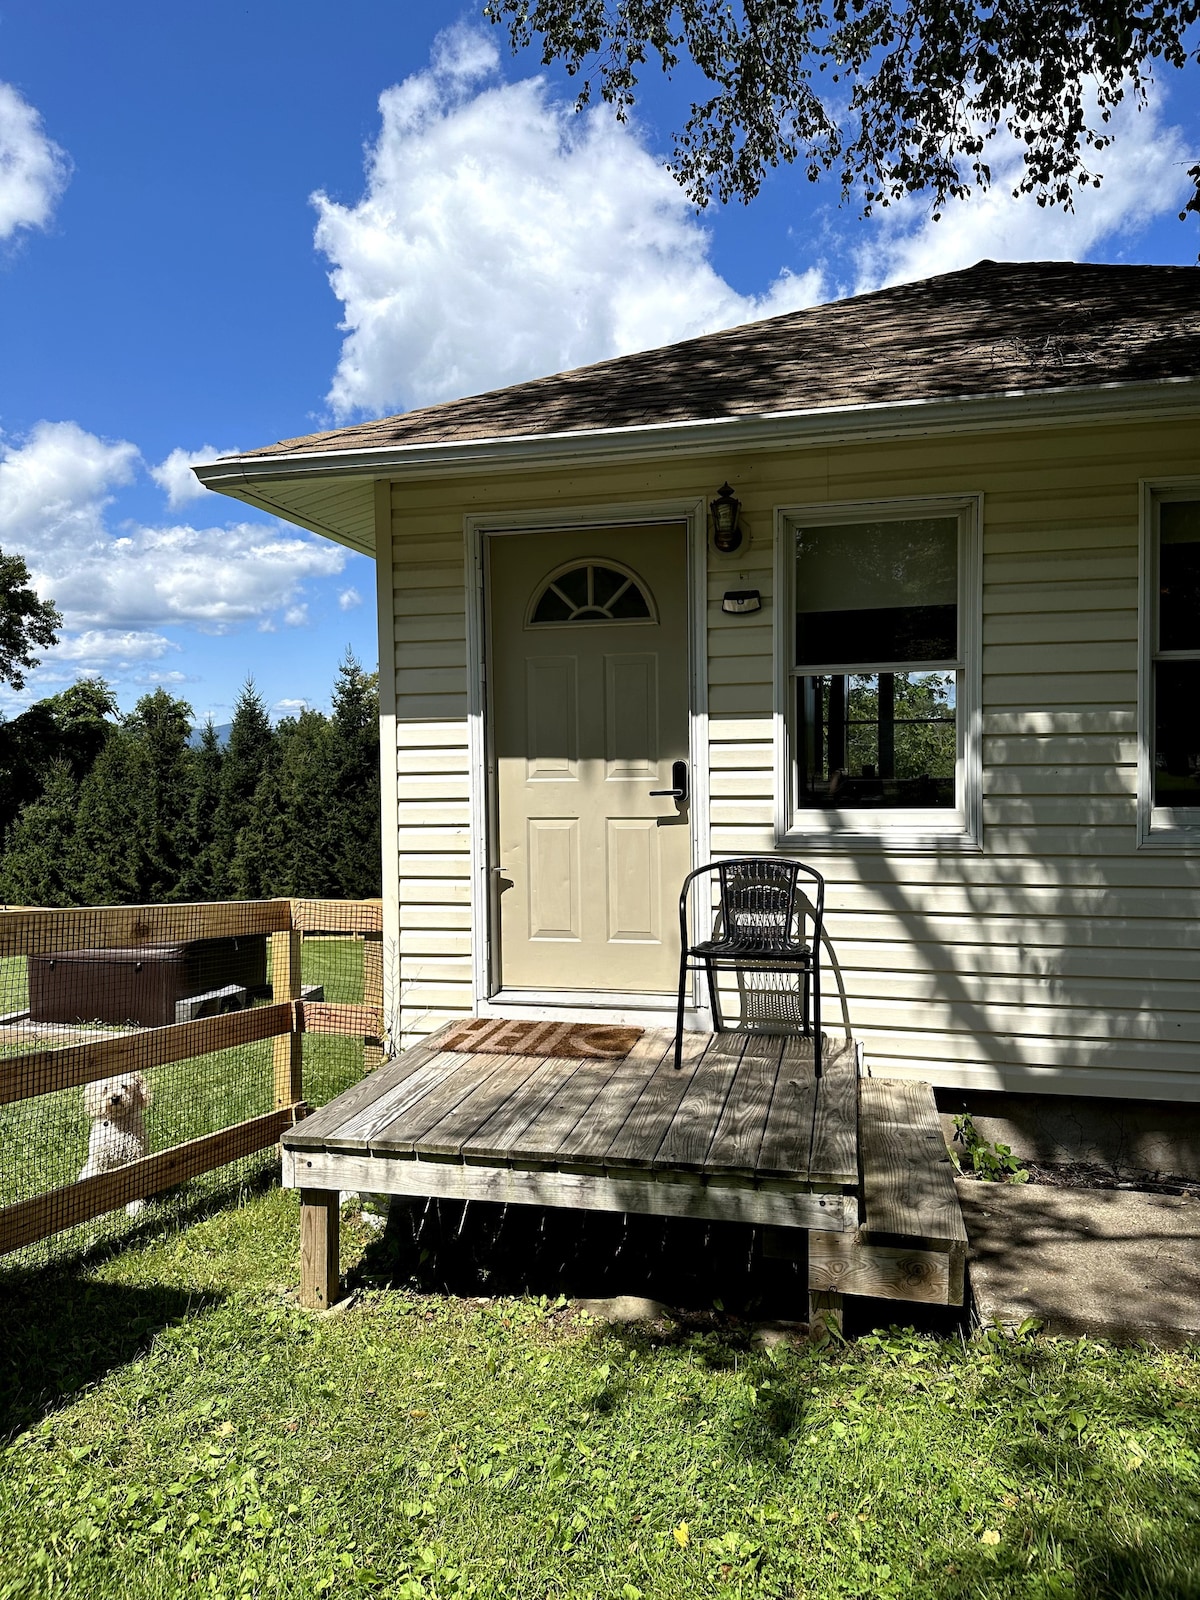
(179, 1427)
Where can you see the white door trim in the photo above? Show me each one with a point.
(389, 780)
(477, 529)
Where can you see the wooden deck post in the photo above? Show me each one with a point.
(824, 1315)
(289, 1047)
(319, 1248)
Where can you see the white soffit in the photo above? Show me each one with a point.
(342, 509)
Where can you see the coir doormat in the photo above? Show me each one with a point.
(574, 1040)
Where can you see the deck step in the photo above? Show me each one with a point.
(909, 1198)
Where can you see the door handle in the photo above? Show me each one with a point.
(679, 783)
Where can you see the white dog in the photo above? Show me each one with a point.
(118, 1134)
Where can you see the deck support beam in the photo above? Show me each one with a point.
(645, 1193)
(319, 1248)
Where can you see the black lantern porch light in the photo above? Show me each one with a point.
(725, 510)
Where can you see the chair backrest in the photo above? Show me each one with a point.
(762, 903)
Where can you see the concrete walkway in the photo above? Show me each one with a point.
(1107, 1263)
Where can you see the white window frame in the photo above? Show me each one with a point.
(1159, 827)
(917, 829)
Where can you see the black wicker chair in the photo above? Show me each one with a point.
(762, 915)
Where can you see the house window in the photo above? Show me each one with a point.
(590, 591)
(1171, 708)
(878, 684)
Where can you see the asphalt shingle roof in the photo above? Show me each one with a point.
(990, 329)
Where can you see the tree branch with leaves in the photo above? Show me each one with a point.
(27, 624)
(890, 99)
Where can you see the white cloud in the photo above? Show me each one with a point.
(1144, 175)
(95, 645)
(290, 708)
(501, 236)
(348, 599)
(176, 478)
(118, 587)
(296, 616)
(33, 170)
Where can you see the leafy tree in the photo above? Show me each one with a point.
(890, 98)
(71, 726)
(37, 868)
(249, 756)
(355, 761)
(27, 624)
(922, 706)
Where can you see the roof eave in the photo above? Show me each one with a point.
(1160, 397)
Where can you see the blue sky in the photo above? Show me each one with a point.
(178, 187)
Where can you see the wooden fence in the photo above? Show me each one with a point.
(284, 1020)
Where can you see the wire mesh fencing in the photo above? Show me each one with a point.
(151, 1056)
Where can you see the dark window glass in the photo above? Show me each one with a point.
(574, 585)
(605, 583)
(877, 739)
(551, 607)
(592, 593)
(1177, 733)
(1179, 575)
(630, 603)
(877, 592)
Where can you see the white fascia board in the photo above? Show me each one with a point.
(247, 477)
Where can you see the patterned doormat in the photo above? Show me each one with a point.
(573, 1040)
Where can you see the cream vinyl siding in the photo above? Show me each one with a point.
(432, 780)
(1057, 957)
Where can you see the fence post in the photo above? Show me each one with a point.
(289, 1047)
(373, 995)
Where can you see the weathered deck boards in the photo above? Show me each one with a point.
(908, 1180)
(743, 1106)
(744, 1132)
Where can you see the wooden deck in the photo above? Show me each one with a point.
(745, 1132)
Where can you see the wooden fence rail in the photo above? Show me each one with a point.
(29, 931)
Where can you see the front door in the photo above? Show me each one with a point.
(588, 667)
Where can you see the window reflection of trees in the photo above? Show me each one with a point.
(878, 739)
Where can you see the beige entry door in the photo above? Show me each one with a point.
(589, 700)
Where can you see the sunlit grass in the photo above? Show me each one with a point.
(181, 1427)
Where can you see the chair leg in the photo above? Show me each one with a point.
(683, 969)
(818, 1036)
(713, 1003)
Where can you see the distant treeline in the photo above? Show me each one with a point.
(99, 809)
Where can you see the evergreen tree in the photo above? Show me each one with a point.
(250, 756)
(131, 841)
(37, 868)
(307, 819)
(200, 870)
(106, 862)
(160, 729)
(357, 871)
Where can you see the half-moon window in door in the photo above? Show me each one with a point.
(591, 591)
